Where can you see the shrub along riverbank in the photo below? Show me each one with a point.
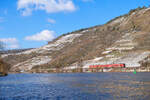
(3, 68)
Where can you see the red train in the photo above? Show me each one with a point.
(108, 66)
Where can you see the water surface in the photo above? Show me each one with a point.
(80, 86)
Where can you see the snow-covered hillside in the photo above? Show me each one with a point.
(124, 39)
(39, 60)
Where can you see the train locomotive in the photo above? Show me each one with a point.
(108, 66)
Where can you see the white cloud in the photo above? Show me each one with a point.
(50, 6)
(52, 21)
(45, 35)
(10, 43)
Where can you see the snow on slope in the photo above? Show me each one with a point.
(59, 44)
(121, 52)
(130, 60)
(133, 59)
(29, 64)
(39, 60)
(119, 20)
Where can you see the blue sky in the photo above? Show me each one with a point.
(31, 23)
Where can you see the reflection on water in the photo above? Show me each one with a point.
(82, 86)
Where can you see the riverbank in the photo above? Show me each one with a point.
(3, 74)
(88, 70)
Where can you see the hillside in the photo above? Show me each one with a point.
(125, 39)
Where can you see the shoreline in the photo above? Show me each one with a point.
(80, 70)
(3, 74)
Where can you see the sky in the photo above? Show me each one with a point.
(32, 23)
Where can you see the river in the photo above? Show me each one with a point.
(76, 86)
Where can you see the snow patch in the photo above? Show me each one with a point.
(71, 67)
(106, 52)
(109, 56)
(118, 20)
(120, 48)
(4, 55)
(29, 64)
(124, 40)
(128, 44)
(99, 58)
(84, 31)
